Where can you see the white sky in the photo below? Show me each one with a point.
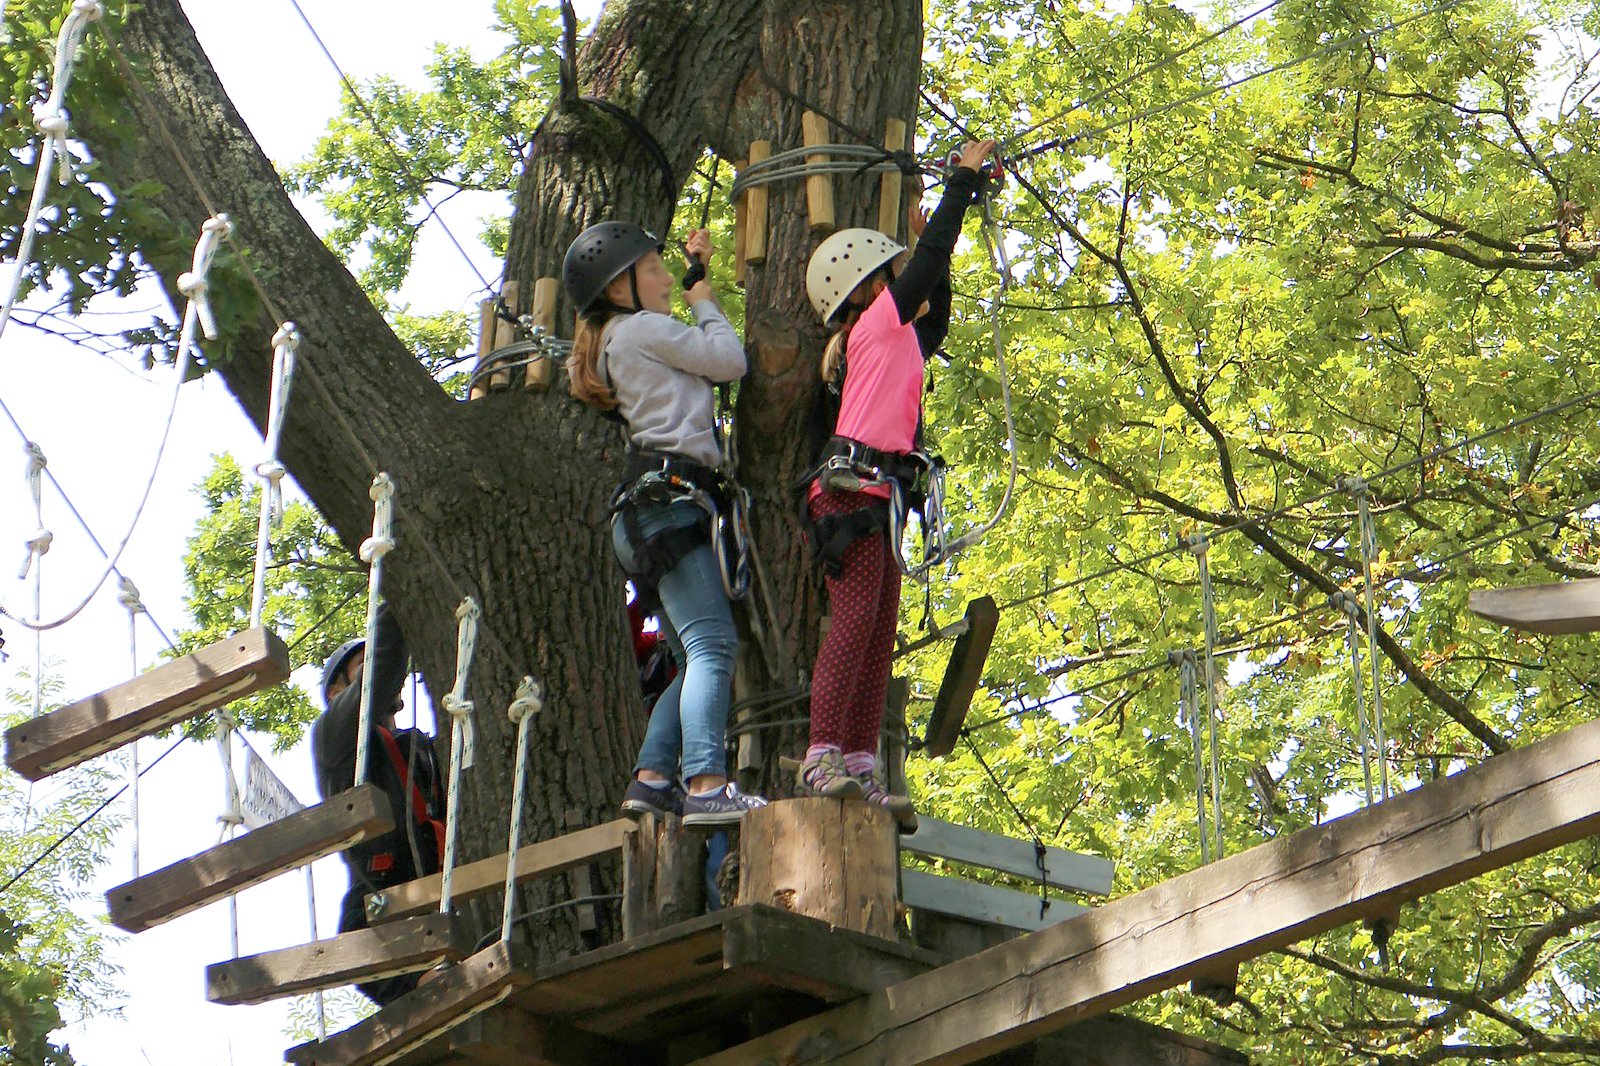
(97, 423)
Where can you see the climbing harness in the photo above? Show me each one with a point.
(529, 701)
(462, 738)
(372, 552)
(285, 344)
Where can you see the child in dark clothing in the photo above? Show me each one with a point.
(887, 328)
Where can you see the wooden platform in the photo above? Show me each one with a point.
(1562, 607)
(687, 983)
(171, 693)
(259, 855)
(361, 955)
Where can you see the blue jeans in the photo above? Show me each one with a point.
(690, 719)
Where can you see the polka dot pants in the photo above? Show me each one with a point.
(851, 681)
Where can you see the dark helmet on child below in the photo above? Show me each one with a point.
(334, 668)
(599, 255)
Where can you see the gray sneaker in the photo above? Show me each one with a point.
(725, 806)
(641, 798)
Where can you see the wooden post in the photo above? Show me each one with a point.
(893, 183)
(819, 187)
(536, 375)
(824, 858)
(741, 211)
(582, 885)
(663, 875)
(166, 695)
(505, 332)
(755, 236)
(485, 344)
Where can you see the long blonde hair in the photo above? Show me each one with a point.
(833, 361)
(583, 364)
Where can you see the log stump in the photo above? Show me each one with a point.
(829, 859)
(663, 875)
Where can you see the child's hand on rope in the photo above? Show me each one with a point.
(699, 251)
(973, 153)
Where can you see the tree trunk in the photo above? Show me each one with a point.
(504, 499)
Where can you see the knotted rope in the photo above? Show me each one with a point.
(285, 344)
(462, 741)
(373, 549)
(528, 703)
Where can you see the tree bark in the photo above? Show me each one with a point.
(505, 498)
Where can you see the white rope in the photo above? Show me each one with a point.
(50, 119)
(1200, 548)
(461, 738)
(373, 549)
(529, 702)
(1347, 604)
(212, 234)
(38, 545)
(128, 596)
(1369, 552)
(285, 345)
(233, 816)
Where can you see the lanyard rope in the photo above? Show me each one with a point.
(128, 596)
(529, 702)
(462, 742)
(1368, 536)
(1188, 709)
(1200, 548)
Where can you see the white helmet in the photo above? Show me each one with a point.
(842, 262)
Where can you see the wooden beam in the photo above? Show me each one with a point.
(978, 902)
(359, 955)
(547, 857)
(1563, 607)
(453, 998)
(262, 854)
(171, 693)
(755, 234)
(819, 187)
(961, 677)
(1508, 808)
(536, 375)
(1069, 870)
(892, 183)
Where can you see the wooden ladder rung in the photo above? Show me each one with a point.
(1562, 607)
(961, 677)
(359, 955)
(171, 693)
(978, 902)
(330, 826)
(452, 998)
(543, 859)
(1069, 870)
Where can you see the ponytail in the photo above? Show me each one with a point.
(833, 356)
(583, 365)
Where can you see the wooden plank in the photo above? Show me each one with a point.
(360, 955)
(741, 222)
(961, 677)
(505, 333)
(755, 234)
(260, 855)
(506, 1036)
(536, 375)
(991, 904)
(1512, 806)
(583, 886)
(802, 954)
(1562, 607)
(486, 320)
(892, 183)
(453, 998)
(1069, 870)
(171, 693)
(544, 859)
(819, 187)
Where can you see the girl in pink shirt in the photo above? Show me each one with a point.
(887, 327)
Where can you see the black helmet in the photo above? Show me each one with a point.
(599, 255)
(336, 663)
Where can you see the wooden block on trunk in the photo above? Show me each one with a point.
(536, 375)
(755, 236)
(892, 184)
(823, 858)
(359, 955)
(171, 693)
(819, 187)
(486, 318)
(741, 223)
(1562, 607)
(231, 867)
(543, 859)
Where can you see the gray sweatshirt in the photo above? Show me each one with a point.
(663, 372)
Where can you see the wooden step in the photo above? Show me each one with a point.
(1562, 607)
(171, 693)
(543, 859)
(1069, 870)
(961, 677)
(978, 902)
(186, 885)
(360, 955)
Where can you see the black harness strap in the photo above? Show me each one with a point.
(652, 477)
(830, 535)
